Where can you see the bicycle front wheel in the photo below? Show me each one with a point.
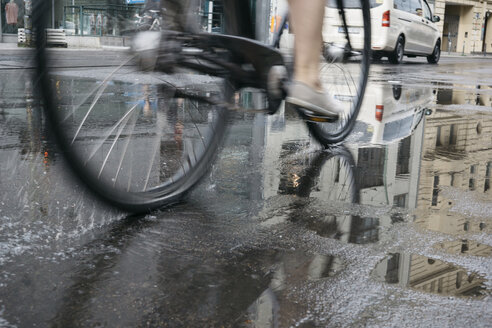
(345, 68)
(138, 138)
(345, 64)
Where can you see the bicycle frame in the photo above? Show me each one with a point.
(247, 61)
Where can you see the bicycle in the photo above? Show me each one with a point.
(149, 21)
(141, 133)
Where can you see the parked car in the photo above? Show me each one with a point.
(398, 28)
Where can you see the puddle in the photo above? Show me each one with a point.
(346, 228)
(480, 96)
(449, 222)
(409, 144)
(251, 287)
(465, 246)
(428, 275)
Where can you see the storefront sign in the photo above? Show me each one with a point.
(132, 2)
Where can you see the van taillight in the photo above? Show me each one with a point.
(386, 19)
(379, 112)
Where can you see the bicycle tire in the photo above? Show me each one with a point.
(344, 70)
(329, 186)
(336, 168)
(139, 140)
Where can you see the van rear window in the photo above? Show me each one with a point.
(353, 4)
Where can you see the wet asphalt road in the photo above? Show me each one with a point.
(266, 240)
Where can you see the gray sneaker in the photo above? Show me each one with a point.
(317, 102)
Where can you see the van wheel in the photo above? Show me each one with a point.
(396, 57)
(436, 54)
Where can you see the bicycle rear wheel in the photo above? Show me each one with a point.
(345, 65)
(138, 138)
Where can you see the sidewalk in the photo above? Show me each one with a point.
(13, 46)
(10, 46)
(470, 55)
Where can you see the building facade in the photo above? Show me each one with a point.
(465, 25)
(108, 18)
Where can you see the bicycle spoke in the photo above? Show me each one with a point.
(108, 134)
(81, 103)
(120, 130)
(137, 156)
(125, 149)
(103, 87)
(159, 128)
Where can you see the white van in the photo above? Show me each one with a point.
(398, 28)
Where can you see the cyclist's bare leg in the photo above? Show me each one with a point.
(307, 21)
(306, 90)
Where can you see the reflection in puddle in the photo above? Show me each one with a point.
(456, 163)
(428, 275)
(251, 288)
(381, 168)
(346, 228)
(481, 96)
(467, 247)
(272, 308)
(391, 113)
(448, 222)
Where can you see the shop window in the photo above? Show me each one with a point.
(12, 15)
(97, 19)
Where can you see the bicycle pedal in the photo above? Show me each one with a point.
(316, 118)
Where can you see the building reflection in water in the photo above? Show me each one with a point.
(456, 155)
(384, 163)
(428, 275)
(404, 150)
(466, 246)
(273, 308)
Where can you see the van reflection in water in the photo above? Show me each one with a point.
(391, 112)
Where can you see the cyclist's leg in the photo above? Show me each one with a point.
(306, 90)
(307, 21)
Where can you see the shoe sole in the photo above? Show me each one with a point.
(310, 107)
